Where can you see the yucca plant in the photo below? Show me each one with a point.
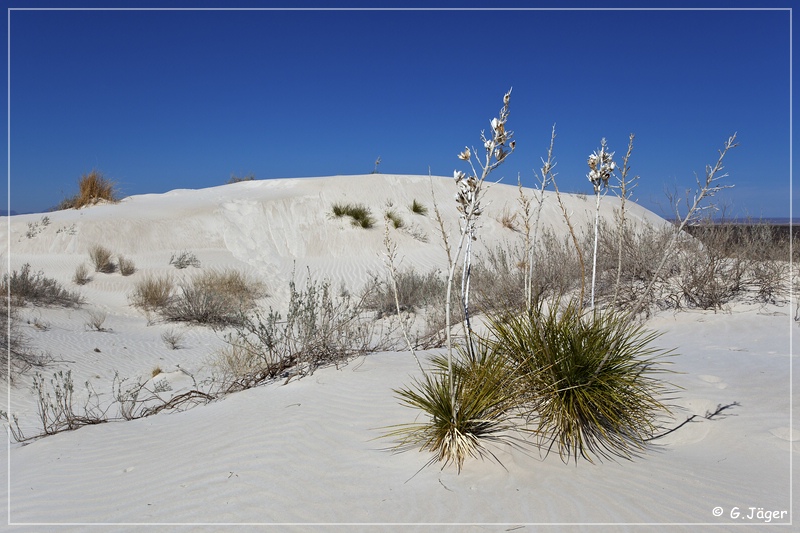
(464, 397)
(461, 422)
(589, 383)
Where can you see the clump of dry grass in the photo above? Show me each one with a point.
(101, 259)
(126, 266)
(81, 276)
(92, 188)
(95, 320)
(152, 293)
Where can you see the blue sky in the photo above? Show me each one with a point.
(161, 100)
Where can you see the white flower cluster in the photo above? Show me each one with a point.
(602, 166)
(468, 195)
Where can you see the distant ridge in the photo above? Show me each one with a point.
(5, 213)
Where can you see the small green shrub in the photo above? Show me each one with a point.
(360, 214)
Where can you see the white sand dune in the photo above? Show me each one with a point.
(308, 453)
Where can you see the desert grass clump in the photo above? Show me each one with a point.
(81, 276)
(394, 219)
(95, 320)
(360, 215)
(418, 208)
(153, 293)
(92, 188)
(126, 266)
(590, 382)
(508, 220)
(100, 256)
(25, 286)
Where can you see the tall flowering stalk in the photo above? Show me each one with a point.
(468, 199)
(625, 190)
(601, 166)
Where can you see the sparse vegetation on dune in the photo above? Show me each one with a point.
(319, 328)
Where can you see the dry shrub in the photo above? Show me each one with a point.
(100, 257)
(415, 291)
(184, 259)
(152, 293)
(172, 339)
(20, 353)
(126, 266)
(95, 320)
(92, 188)
(28, 287)
(217, 299)
(81, 276)
(319, 328)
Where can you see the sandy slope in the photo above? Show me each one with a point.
(307, 452)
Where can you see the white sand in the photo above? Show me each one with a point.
(306, 453)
